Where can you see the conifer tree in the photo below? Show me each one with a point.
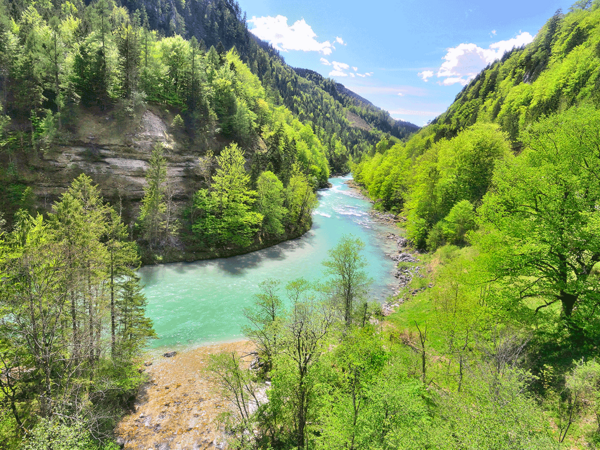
(152, 212)
(122, 256)
(129, 59)
(134, 328)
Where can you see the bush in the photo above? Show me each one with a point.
(55, 435)
(178, 122)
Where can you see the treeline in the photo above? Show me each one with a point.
(72, 323)
(330, 376)
(374, 116)
(227, 214)
(507, 210)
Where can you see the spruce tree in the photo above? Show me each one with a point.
(152, 212)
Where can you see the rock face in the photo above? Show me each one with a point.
(115, 152)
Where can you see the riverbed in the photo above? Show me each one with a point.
(200, 303)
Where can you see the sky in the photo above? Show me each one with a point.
(409, 57)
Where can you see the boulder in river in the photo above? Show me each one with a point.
(169, 354)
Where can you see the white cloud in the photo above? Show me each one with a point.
(502, 47)
(400, 94)
(464, 62)
(343, 70)
(339, 69)
(340, 66)
(339, 40)
(325, 62)
(494, 32)
(426, 75)
(299, 36)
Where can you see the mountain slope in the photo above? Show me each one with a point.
(452, 159)
(306, 93)
(559, 69)
(94, 89)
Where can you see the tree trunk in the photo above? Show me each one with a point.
(57, 81)
(568, 303)
(112, 304)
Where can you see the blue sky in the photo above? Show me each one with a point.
(410, 57)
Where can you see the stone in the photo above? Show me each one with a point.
(170, 354)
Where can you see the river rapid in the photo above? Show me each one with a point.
(199, 303)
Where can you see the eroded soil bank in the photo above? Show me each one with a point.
(179, 406)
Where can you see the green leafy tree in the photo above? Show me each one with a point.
(300, 201)
(348, 283)
(225, 210)
(304, 335)
(270, 203)
(541, 225)
(357, 363)
(494, 412)
(452, 171)
(56, 435)
(264, 319)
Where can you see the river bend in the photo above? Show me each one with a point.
(201, 302)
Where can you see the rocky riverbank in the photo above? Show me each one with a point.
(178, 407)
(406, 258)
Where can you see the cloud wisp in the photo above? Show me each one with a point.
(341, 69)
(425, 75)
(284, 37)
(462, 63)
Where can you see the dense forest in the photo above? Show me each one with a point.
(122, 86)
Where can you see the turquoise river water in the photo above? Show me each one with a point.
(201, 302)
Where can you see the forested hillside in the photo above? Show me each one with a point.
(122, 95)
(222, 21)
(501, 192)
(557, 71)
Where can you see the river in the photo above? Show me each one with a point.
(201, 302)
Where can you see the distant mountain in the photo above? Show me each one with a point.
(360, 106)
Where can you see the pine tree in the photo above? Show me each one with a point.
(122, 256)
